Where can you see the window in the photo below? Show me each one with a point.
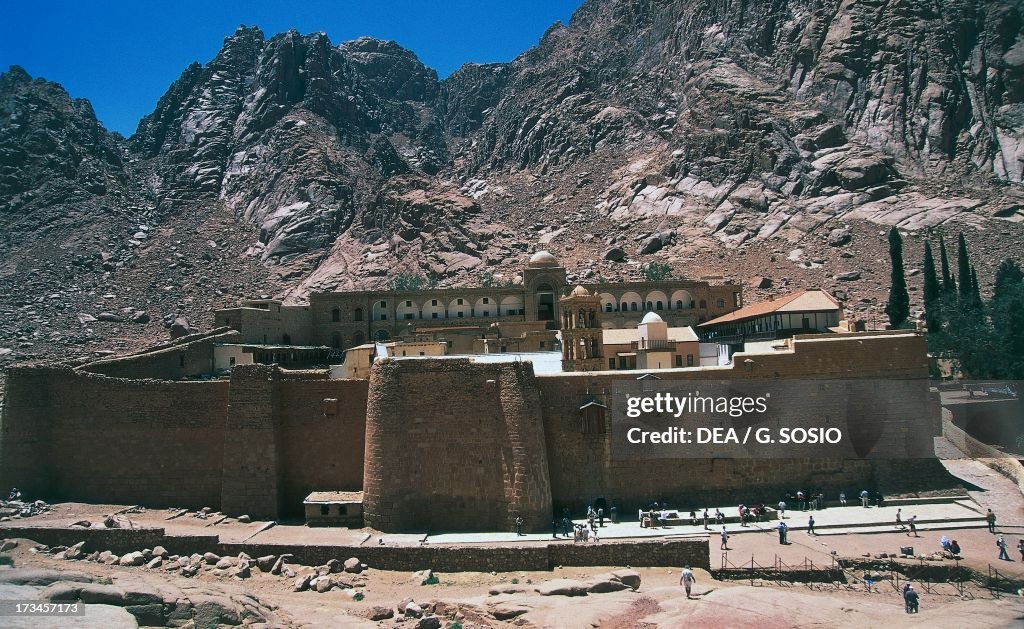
(611, 363)
(633, 307)
(325, 509)
(335, 315)
(403, 352)
(658, 306)
(542, 344)
(487, 313)
(342, 510)
(460, 314)
(608, 307)
(358, 314)
(689, 360)
(408, 304)
(650, 306)
(679, 304)
(383, 316)
(433, 302)
(231, 361)
(458, 301)
(721, 303)
(383, 304)
(487, 300)
(422, 354)
(433, 315)
(504, 348)
(408, 315)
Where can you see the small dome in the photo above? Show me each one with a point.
(651, 317)
(542, 260)
(579, 291)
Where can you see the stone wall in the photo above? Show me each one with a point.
(540, 556)
(70, 435)
(452, 445)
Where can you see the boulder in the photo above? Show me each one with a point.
(607, 583)
(266, 562)
(160, 551)
(614, 254)
(74, 552)
(61, 591)
(848, 276)
(244, 519)
(243, 570)
(212, 611)
(107, 557)
(563, 587)
(180, 327)
(190, 570)
(8, 544)
(412, 610)
(132, 559)
(280, 563)
(101, 594)
(629, 577)
(332, 566)
(210, 558)
(422, 577)
(352, 565)
(226, 562)
(155, 563)
(379, 612)
(323, 584)
(839, 237)
(140, 317)
(110, 317)
(429, 622)
(760, 282)
(507, 610)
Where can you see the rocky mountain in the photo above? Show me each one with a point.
(726, 138)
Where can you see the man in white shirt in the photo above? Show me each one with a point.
(687, 580)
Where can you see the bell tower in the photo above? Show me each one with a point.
(580, 322)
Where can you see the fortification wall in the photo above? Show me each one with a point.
(455, 446)
(71, 435)
(323, 429)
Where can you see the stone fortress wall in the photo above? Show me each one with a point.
(434, 443)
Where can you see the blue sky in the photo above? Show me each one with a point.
(123, 55)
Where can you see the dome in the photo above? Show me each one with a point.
(651, 317)
(541, 260)
(579, 291)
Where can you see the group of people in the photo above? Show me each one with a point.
(580, 532)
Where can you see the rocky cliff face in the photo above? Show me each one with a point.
(724, 137)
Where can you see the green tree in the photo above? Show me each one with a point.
(932, 291)
(1008, 277)
(408, 281)
(657, 271)
(948, 283)
(898, 307)
(963, 269)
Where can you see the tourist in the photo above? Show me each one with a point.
(600, 517)
(614, 515)
(821, 500)
(945, 543)
(868, 581)
(878, 499)
(719, 516)
(554, 529)
(899, 519)
(742, 510)
(565, 526)
(686, 579)
(725, 539)
(519, 525)
(783, 530)
(842, 499)
(991, 519)
(663, 517)
(864, 498)
(912, 523)
(801, 504)
(706, 520)
(810, 526)
(911, 600)
(645, 521)
(954, 549)
(593, 532)
(782, 509)
(1001, 543)
(693, 518)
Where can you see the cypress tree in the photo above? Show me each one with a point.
(948, 283)
(932, 290)
(975, 289)
(1008, 277)
(898, 307)
(964, 269)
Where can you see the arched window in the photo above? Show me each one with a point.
(679, 304)
(358, 314)
(658, 306)
(608, 307)
(336, 314)
(633, 306)
(650, 306)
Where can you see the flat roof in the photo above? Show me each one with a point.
(625, 336)
(334, 496)
(543, 362)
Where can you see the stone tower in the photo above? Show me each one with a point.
(580, 322)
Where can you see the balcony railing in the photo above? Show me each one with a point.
(649, 345)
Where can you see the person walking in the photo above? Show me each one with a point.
(725, 539)
(1003, 555)
(554, 529)
(782, 509)
(842, 499)
(911, 600)
(706, 520)
(864, 498)
(565, 526)
(899, 519)
(801, 502)
(519, 525)
(991, 519)
(686, 579)
(810, 526)
(912, 523)
(783, 530)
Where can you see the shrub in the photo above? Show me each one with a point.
(657, 271)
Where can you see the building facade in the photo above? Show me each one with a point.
(341, 320)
